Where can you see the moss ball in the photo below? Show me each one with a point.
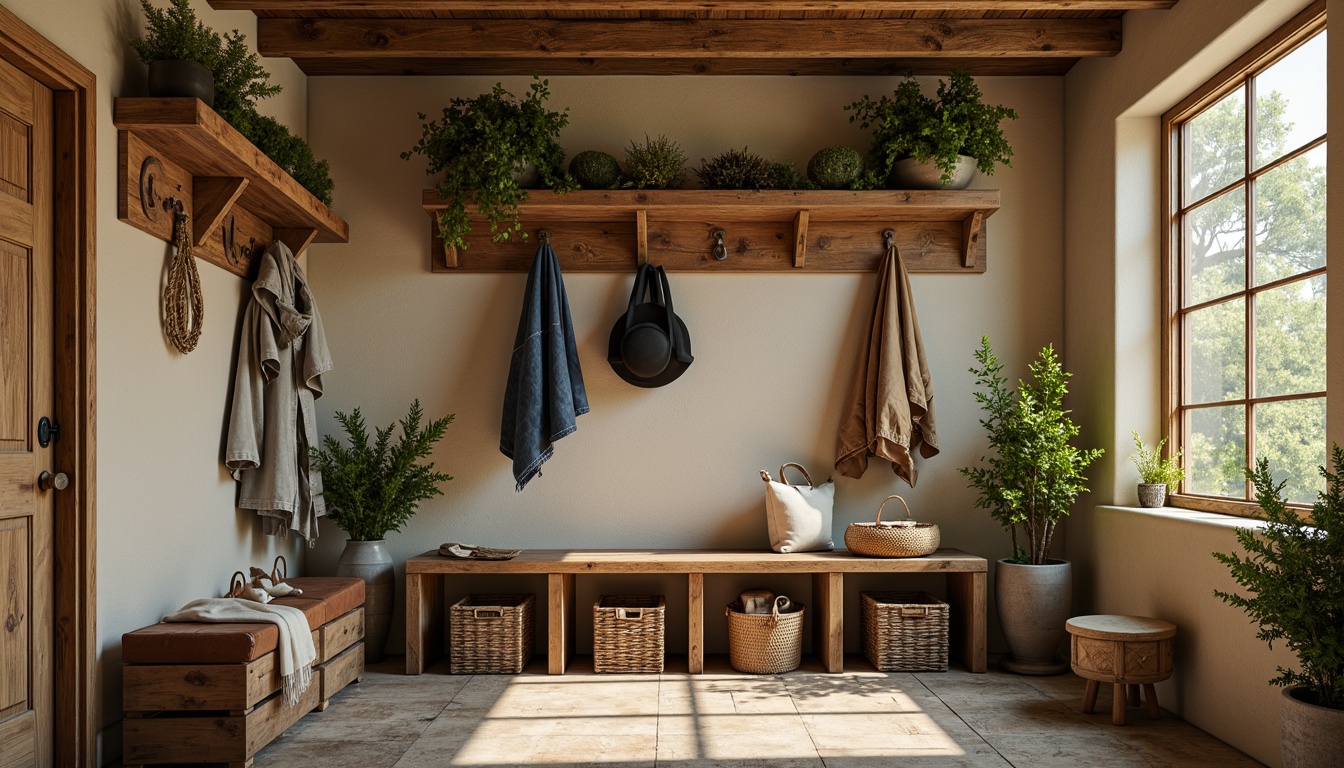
(835, 168)
(595, 170)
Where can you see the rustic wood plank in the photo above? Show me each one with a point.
(316, 7)
(828, 625)
(561, 616)
(17, 739)
(699, 39)
(800, 239)
(339, 634)
(695, 621)
(970, 238)
(419, 610)
(336, 674)
(969, 596)
(562, 561)
(192, 687)
(212, 197)
(224, 739)
(641, 237)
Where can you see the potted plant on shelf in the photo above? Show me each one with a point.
(1156, 474)
(1028, 485)
(371, 490)
(1294, 572)
(484, 148)
(925, 143)
(180, 51)
(657, 164)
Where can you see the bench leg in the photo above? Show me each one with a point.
(1118, 704)
(828, 620)
(1090, 697)
(695, 641)
(323, 706)
(969, 594)
(561, 640)
(1150, 695)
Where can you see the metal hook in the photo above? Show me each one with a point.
(888, 238)
(544, 235)
(720, 249)
(176, 206)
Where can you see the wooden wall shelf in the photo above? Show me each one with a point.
(237, 198)
(787, 231)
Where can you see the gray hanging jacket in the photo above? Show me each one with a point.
(282, 354)
(545, 392)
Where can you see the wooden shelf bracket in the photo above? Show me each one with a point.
(800, 240)
(970, 237)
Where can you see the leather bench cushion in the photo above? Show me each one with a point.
(323, 599)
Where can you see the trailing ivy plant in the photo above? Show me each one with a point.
(373, 489)
(910, 124)
(1294, 573)
(479, 145)
(1152, 467)
(1035, 473)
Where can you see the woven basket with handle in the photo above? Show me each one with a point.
(765, 643)
(628, 633)
(899, 538)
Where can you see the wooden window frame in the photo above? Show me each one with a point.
(1239, 73)
(74, 543)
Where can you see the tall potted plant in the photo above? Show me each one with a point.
(372, 489)
(1294, 572)
(1028, 484)
(925, 143)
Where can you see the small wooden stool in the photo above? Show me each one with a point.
(1122, 650)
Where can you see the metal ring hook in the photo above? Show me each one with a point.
(720, 249)
(544, 235)
(888, 238)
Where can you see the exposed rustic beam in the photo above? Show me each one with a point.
(689, 38)
(616, 66)
(459, 6)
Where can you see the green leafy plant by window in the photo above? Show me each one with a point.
(372, 489)
(1035, 473)
(479, 145)
(1152, 467)
(735, 169)
(1294, 573)
(657, 164)
(240, 82)
(910, 124)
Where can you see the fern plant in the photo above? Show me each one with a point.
(176, 33)
(1294, 572)
(1035, 474)
(373, 489)
(1152, 467)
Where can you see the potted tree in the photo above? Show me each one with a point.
(1294, 572)
(925, 143)
(372, 490)
(1028, 485)
(485, 149)
(1156, 474)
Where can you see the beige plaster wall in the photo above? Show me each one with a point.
(167, 528)
(677, 466)
(1129, 562)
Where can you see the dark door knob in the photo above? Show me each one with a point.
(49, 482)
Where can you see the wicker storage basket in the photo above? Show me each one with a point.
(628, 633)
(765, 643)
(490, 634)
(900, 538)
(905, 631)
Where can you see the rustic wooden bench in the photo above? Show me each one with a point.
(210, 693)
(425, 574)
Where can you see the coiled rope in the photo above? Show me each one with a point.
(183, 305)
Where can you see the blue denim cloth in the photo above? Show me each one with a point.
(545, 391)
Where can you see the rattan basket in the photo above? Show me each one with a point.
(628, 633)
(898, 538)
(765, 643)
(490, 634)
(905, 631)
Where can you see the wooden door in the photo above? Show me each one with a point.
(26, 367)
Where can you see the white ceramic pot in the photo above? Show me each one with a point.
(912, 174)
(1033, 603)
(1313, 736)
(1152, 495)
(369, 560)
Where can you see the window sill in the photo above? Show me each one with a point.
(1192, 516)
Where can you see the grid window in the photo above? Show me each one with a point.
(1247, 272)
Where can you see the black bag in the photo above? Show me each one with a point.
(649, 344)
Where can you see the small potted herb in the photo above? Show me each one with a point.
(836, 168)
(925, 143)
(180, 50)
(657, 164)
(1156, 474)
(735, 170)
(482, 147)
(1293, 570)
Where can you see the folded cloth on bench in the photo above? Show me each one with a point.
(295, 649)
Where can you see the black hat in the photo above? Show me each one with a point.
(649, 344)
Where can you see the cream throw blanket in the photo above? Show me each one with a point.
(295, 649)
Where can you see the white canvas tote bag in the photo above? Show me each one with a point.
(798, 516)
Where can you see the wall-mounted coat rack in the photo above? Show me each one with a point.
(732, 231)
(180, 152)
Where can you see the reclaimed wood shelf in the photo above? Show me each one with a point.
(788, 231)
(427, 574)
(237, 199)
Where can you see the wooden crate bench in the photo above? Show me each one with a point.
(966, 592)
(210, 693)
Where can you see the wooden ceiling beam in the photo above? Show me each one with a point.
(372, 39)
(316, 7)
(783, 67)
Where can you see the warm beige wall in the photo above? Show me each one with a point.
(167, 528)
(677, 466)
(1130, 562)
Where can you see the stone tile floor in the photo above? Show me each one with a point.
(723, 719)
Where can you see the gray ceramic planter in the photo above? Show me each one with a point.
(1313, 736)
(1152, 495)
(912, 174)
(1033, 603)
(369, 560)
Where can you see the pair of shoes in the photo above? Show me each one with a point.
(278, 587)
(241, 589)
